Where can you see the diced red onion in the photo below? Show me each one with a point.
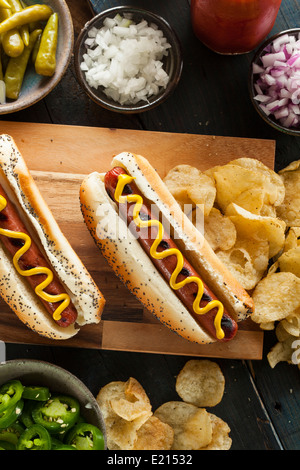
(277, 83)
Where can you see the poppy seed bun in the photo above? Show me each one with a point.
(135, 268)
(33, 210)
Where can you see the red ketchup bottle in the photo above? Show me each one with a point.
(233, 26)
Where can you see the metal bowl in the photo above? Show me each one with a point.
(269, 119)
(35, 87)
(58, 380)
(172, 63)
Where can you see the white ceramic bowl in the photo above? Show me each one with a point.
(172, 63)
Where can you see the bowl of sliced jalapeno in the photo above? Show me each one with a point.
(37, 39)
(45, 407)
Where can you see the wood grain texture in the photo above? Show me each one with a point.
(76, 151)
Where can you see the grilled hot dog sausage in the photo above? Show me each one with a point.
(32, 258)
(166, 266)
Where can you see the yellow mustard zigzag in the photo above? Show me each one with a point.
(39, 290)
(125, 179)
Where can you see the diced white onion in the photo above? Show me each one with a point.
(277, 85)
(125, 59)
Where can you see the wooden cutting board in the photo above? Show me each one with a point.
(59, 156)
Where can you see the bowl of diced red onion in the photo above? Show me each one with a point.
(275, 81)
(128, 60)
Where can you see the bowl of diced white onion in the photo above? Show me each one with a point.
(128, 60)
(274, 81)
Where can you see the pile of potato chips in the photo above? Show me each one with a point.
(175, 425)
(251, 218)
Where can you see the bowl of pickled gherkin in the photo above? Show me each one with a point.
(45, 407)
(36, 47)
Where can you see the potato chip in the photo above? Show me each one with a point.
(231, 181)
(134, 404)
(267, 326)
(289, 261)
(201, 383)
(273, 268)
(220, 435)
(154, 435)
(109, 391)
(191, 425)
(291, 325)
(175, 413)
(197, 432)
(258, 227)
(219, 230)
(189, 186)
(130, 395)
(248, 183)
(276, 297)
(292, 239)
(281, 333)
(281, 352)
(276, 186)
(247, 260)
(289, 210)
(125, 408)
(252, 200)
(122, 434)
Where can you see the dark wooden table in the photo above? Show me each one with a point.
(261, 405)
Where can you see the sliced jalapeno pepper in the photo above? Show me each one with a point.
(12, 433)
(85, 436)
(5, 445)
(35, 438)
(58, 445)
(57, 414)
(36, 393)
(10, 415)
(26, 416)
(10, 394)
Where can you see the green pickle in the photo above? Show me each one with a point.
(16, 68)
(11, 40)
(16, 6)
(26, 16)
(23, 46)
(45, 63)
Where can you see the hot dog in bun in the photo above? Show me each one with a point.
(159, 254)
(41, 278)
